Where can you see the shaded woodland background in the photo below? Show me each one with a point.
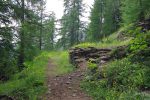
(27, 30)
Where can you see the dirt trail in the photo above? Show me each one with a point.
(65, 87)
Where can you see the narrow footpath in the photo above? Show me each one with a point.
(65, 87)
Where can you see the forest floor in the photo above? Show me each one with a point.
(65, 87)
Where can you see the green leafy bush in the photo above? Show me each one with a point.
(29, 83)
(123, 74)
(100, 91)
(139, 48)
(92, 72)
(121, 81)
(92, 66)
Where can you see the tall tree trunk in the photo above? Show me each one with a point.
(22, 38)
(41, 29)
(78, 20)
(101, 19)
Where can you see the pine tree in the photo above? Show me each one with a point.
(7, 52)
(105, 19)
(96, 18)
(112, 16)
(135, 10)
(49, 30)
(71, 22)
(20, 28)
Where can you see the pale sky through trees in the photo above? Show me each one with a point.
(57, 7)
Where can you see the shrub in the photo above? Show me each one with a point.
(123, 74)
(29, 83)
(92, 72)
(121, 81)
(139, 48)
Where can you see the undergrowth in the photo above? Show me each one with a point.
(29, 84)
(61, 62)
(127, 78)
(107, 42)
(121, 81)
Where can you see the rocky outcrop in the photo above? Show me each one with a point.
(5, 97)
(119, 52)
(95, 55)
(145, 25)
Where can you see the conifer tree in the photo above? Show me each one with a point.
(105, 19)
(97, 19)
(71, 22)
(135, 11)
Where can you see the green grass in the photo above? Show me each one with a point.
(108, 42)
(61, 62)
(99, 91)
(121, 80)
(147, 95)
(30, 83)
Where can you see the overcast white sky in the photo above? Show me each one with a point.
(57, 7)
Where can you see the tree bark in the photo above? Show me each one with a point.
(41, 29)
(22, 36)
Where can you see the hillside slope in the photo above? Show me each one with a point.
(125, 76)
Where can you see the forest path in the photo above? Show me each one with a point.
(65, 87)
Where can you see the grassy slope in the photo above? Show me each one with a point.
(108, 42)
(117, 71)
(121, 82)
(61, 61)
(29, 84)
